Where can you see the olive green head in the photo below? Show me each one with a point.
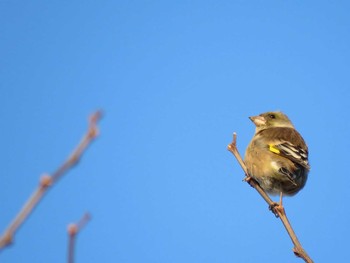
(271, 119)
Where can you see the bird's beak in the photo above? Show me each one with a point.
(258, 120)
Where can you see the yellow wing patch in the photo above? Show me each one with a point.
(273, 149)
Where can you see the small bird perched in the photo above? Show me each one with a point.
(277, 156)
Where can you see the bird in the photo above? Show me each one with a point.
(277, 155)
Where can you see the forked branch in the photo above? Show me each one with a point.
(73, 230)
(280, 212)
(47, 181)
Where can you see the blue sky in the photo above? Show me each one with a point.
(175, 80)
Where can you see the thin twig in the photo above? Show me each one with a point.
(46, 181)
(279, 212)
(73, 230)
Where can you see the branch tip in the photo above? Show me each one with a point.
(95, 117)
(83, 221)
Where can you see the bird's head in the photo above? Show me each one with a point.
(271, 119)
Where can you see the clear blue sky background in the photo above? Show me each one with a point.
(175, 80)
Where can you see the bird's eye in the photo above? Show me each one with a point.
(272, 116)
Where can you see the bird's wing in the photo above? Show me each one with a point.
(288, 143)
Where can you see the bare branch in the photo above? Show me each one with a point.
(73, 230)
(46, 181)
(278, 211)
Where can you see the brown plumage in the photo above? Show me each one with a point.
(277, 156)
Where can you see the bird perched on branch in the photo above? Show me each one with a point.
(277, 156)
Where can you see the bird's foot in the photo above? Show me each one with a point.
(277, 209)
(247, 179)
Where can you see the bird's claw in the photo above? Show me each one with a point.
(276, 209)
